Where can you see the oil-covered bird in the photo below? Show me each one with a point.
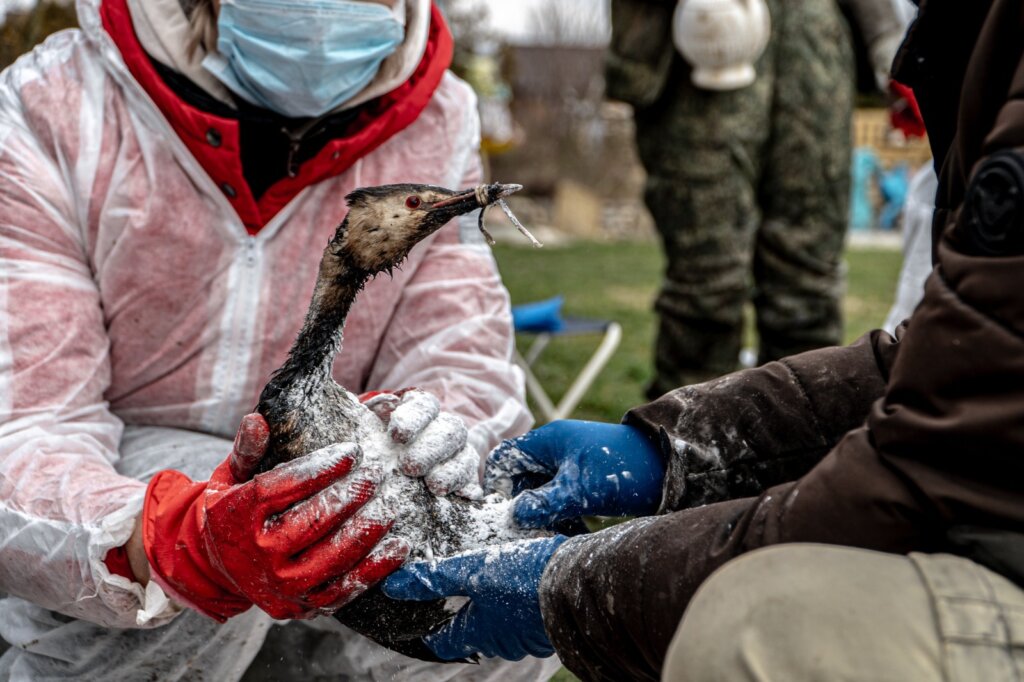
(306, 410)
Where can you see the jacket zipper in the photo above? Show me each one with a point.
(240, 344)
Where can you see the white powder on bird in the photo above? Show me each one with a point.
(433, 526)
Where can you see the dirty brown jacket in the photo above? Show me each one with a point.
(913, 443)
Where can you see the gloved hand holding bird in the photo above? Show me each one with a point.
(326, 493)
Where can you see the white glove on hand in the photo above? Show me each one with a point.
(436, 448)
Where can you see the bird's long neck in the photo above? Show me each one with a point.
(320, 339)
(312, 354)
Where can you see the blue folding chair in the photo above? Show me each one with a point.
(544, 321)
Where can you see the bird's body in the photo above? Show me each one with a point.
(306, 410)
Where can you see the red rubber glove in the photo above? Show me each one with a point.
(291, 540)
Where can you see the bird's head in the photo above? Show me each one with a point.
(384, 223)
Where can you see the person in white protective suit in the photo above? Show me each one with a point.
(169, 175)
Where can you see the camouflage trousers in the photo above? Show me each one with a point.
(749, 190)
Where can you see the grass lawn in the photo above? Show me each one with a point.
(618, 281)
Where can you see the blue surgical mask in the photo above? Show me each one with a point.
(301, 57)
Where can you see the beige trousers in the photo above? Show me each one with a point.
(818, 612)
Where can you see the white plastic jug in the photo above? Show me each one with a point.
(722, 40)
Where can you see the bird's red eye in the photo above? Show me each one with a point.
(413, 202)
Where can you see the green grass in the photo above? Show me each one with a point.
(618, 281)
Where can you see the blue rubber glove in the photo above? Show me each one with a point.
(502, 617)
(573, 468)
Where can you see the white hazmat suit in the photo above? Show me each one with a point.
(139, 319)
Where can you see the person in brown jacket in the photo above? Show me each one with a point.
(849, 513)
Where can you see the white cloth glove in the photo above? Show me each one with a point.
(435, 441)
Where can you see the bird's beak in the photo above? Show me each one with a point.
(500, 191)
(472, 199)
